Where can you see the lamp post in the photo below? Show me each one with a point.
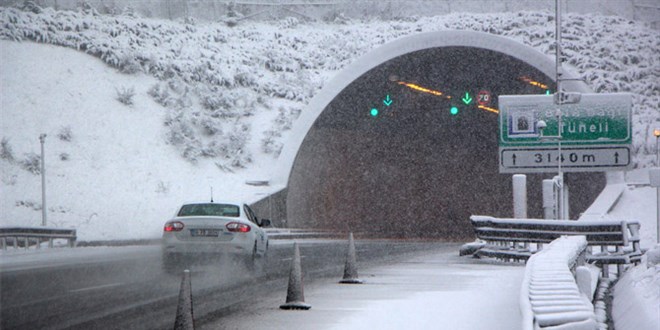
(654, 178)
(656, 133)
(42, 139)
(561, 212)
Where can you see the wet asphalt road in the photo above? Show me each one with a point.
(131, 291)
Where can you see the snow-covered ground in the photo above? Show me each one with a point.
(636, 304)
(114, 176)
(220, 110)
(116, 171)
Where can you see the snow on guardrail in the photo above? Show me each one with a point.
(27, 236)
(549, 296)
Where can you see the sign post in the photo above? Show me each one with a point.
(595, 133)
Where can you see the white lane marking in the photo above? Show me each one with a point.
(97, 287)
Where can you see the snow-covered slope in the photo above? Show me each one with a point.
(221, 97)
(636, 304)
(110, 172)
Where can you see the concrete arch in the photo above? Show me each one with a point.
(399, 47)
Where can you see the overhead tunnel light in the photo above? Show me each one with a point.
(424, 89)
(533, 82)
(489, 109)
(453, 110)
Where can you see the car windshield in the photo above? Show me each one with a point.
(217, 210)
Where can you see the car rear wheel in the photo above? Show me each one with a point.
(253, 258)
(254, 262)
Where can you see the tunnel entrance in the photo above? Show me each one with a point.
(409, 149)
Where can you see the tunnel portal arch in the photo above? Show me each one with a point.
(348, 169)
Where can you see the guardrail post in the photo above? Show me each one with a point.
(3, 241)
(15, 243)
(519, 196)
(27, 242)
(619, 267)
(566, 215)
(549, 200)
(38, 243)
(583, 279)
(520, 200)
(50, 242)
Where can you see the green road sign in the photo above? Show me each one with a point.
(595, 119)
(596, 133)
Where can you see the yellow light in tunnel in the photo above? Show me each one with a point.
(533, 82)
(424, 89)
(483, 107)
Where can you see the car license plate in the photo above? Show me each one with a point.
(205, 232)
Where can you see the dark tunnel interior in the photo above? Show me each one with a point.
(410, 149)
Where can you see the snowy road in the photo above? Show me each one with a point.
(125, 287)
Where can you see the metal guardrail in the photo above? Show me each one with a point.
(296, 233)
(504, 236)
(26, 236)
(554, 293)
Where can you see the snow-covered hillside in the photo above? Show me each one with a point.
(110, 171)
(221, 97)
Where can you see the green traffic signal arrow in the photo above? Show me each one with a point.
(467, 99)
(387, 101)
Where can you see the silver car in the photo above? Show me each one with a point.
(213, 229)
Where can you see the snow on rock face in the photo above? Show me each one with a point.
(636, 304)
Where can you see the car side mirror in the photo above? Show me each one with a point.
(265, 223)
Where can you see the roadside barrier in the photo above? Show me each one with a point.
(299, 233)
(184, 310)
(350, 268)
(503, 238)
(295, 297)
(26, 236)
(550, 297)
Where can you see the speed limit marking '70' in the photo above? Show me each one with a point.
(483, 98)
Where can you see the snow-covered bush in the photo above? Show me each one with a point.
(161, 95)
(127, 63)
(65, 134)
(6, 151)
(31, 163)
(35, 206)
(335, 17)
(30, 6)
(214, 101)
(269, 144)
(289, 23)
(125, 95)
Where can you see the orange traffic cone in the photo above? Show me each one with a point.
(295, 298)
